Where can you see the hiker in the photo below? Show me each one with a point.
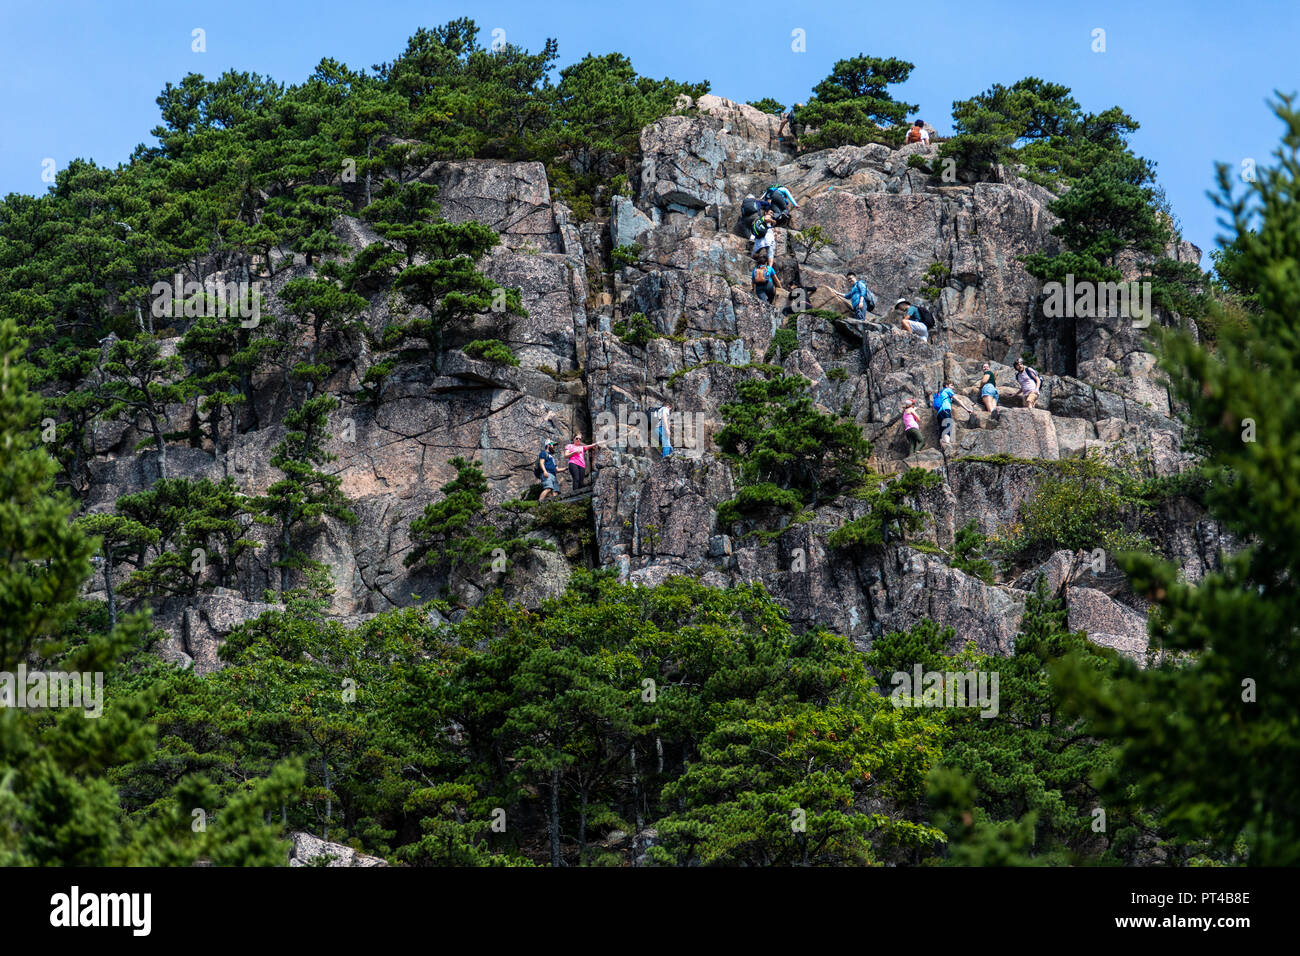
(789, 121)
(782, 201)
(766, 282)
(662, 418)
(988, 389)
(910, 320)
(751, 207)
(545, 470)
(918, 133)
(912, 426)
(764, 232)
(860, 297)
(1030, 382)
(576, 453)
(943, 412)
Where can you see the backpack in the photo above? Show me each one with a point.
(537, 469)
(760, 228)
(938, 401)
(760, 275)
(749, 207)
(914, 134)
(870, 299)
(926, 316)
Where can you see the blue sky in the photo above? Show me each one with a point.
(78, 79)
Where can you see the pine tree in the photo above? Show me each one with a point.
(297, 504)
(136, 379)
(851, 105)
(1207, 736)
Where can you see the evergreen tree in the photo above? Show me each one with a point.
(1206, 737)
(851, 105)
(297, 504)
(136, 379)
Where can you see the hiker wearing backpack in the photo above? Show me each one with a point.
(942, 405)
(766, 282)
(910, 320)
(1030, 383)
(782, 201)
(912, 426)
(988, 389)
(546, 471)
(764, 233)
(860, 297)
(918, 133)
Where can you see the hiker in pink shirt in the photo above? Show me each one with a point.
(576, 452)
(912, 426)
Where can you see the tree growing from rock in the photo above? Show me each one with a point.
(853, 105)
(781, 440)
(136, 379)
(297, 505)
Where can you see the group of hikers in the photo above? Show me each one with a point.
(1029, 383)
(761, 217)
(547, 471)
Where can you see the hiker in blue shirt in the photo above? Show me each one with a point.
(860, 297)
(943, 412)
(782, 201)
(765, 282)
(545, 470)
(911, 320)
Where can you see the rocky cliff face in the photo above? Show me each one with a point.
(882, 218)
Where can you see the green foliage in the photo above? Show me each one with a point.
(297, 505)
(1192, 728)
(968, 550)
(757, 501)
(850, 106)
(491, 350)
(637, 330)
(784, 341)
(1038, 124)
(1082, 503)
(454, 536)
(57, 805)
(837, 374)
(777, 436)
(768, 105)
(1015, 787)
(626, 255)
(809, 239)
(889, 517)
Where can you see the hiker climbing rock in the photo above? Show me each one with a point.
(782, 201)
(764, 233)
(943, 412)
(988, 389)
(662, 419)
(790, 123)
(910, 320)
(546, 471)
(765, 282)
(912, 426)
(1030, 383)
(860, 297)
(918, 133)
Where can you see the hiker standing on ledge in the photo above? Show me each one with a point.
(547, 471)
(576, 452)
